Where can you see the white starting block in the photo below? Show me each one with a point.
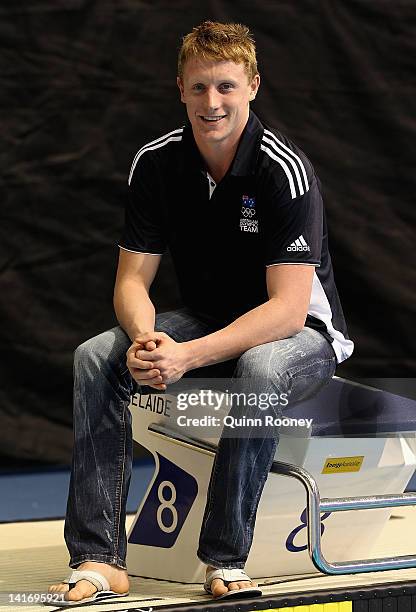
(362, 443)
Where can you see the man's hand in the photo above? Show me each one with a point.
(145, 373)
(155, 359)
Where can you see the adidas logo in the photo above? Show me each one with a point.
(299, 245)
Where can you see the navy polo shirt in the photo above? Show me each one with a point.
(267, 210)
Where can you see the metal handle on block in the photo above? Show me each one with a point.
(315, 506)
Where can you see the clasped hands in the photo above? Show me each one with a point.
(156, 360)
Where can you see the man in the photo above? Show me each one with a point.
(240, 209)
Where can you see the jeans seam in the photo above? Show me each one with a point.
(296, 370)
(109, 559)
(219, 564)
(214, 476)
(249, 531)
(119, 488)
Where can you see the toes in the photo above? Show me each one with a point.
(58, 588)
(218, 587)
(233, 586)
(245, 584)
(82, 589)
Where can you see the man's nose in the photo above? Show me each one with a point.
(213, 99)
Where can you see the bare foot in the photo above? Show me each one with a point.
(117, 577)
(218, 587)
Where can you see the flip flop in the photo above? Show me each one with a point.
(98, 580)
(227, 576)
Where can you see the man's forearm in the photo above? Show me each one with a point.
(133, 307)
(270, 321)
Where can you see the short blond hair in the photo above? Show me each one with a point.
(214, 41)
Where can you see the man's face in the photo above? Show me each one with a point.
(217, 96)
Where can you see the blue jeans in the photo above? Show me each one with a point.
(102, 455)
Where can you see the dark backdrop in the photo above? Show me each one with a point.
(84, 84)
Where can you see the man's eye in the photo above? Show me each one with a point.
(226, 86)
(198, 87)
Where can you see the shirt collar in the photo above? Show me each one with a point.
(245, 159)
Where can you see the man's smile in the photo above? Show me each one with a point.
(211, 118)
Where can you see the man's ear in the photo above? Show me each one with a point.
(179, 83)
(255, 84)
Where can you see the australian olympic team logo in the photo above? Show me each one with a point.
(248, 211)
(248, 208)
(249, 202)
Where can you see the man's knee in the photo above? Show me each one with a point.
(88, 350)
(109, 346)
(257, 362)
(254, 372)
(248, 364)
